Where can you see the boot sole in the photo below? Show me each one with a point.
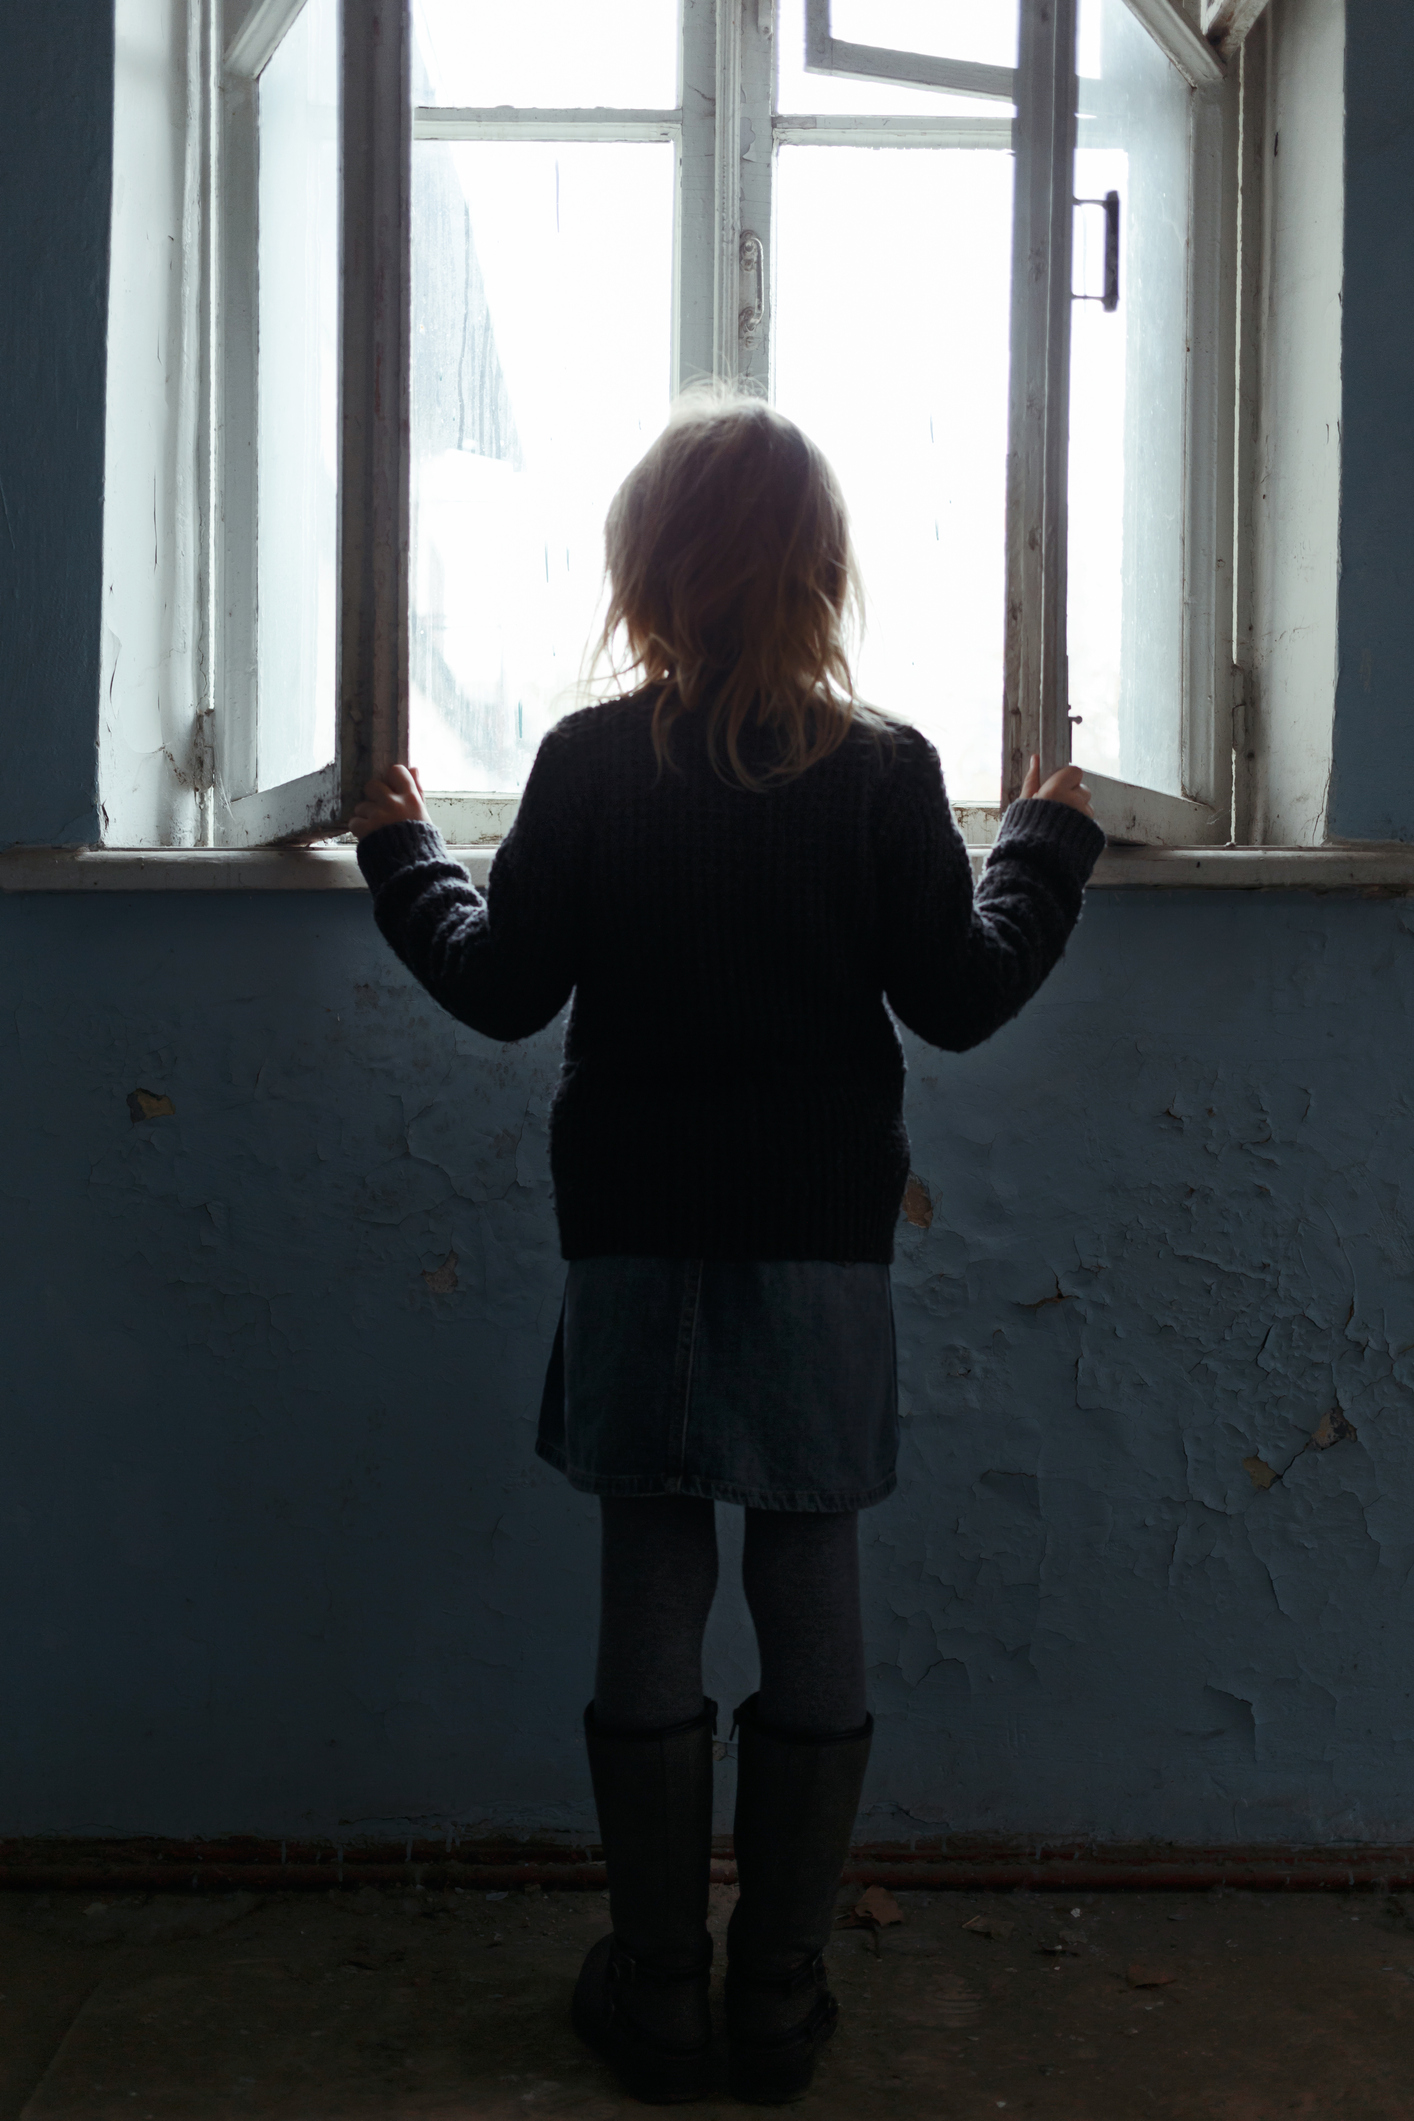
(655, 2075)
(765, 2076)
(776, 2082)
(657, 2080)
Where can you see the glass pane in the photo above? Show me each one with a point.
(946, 29)
(567, 55)
(1127, 396)
(984, 30)
(542, 328)
(298, 398)
(892, 314)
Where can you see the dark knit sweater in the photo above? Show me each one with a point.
(732, 1084)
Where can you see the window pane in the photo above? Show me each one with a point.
(983, 30)
(892, 314)
(945, 29)
(558, 55)
(1127, 396)
(542, 327)
(297, 387)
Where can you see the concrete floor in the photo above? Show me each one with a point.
(340, 2006)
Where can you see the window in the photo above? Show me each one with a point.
(981, 249)
(1118, 599)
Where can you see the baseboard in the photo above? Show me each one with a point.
(954, 1864)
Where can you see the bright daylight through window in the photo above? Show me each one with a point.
(542, 326)
(824, 198)
(1127, 401)
(892, 317)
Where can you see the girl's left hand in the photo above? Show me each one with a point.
(393, 797)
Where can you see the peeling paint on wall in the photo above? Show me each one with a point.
(1141, 1493)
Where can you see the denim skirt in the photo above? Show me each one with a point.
(768, 1382)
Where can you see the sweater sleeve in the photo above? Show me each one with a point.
(502, 960)
(961, 963)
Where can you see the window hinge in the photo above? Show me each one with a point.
(752, 308)
(1241, 712)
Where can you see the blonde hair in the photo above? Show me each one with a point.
(732, 584)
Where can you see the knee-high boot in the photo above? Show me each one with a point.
(642, 1995)
(797, 1797)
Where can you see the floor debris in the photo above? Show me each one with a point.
(876, 1908)
(989, 1926)
(396, 2006)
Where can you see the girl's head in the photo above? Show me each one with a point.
(731, 580)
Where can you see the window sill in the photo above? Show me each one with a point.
(1384, 871)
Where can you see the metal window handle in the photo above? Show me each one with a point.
(752, 260)
(1109, 300)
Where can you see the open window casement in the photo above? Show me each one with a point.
(1118, 504)
(865, 207)
(316, 139)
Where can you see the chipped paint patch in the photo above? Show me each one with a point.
(442, 1280)
(149, 1104)
(917, 1203)
(1333, 1428)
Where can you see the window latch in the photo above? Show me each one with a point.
(1109, 300)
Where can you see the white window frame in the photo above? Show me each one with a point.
(375, 171)
(723, 250)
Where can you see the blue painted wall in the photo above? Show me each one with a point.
(56, 157)
(275, 1554)
(1372, 779)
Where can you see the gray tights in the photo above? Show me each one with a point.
(800, 1572)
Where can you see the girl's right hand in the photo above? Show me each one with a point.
(1067, 786)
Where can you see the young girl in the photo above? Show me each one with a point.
(733, 870)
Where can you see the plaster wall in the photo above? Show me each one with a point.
(277, 1555)
(1372, 788)
(56, 96)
